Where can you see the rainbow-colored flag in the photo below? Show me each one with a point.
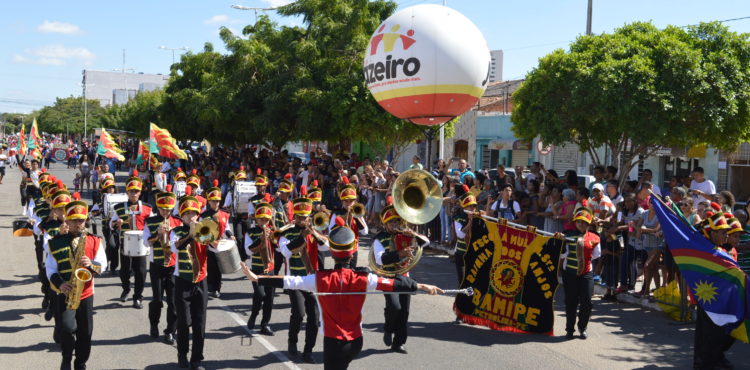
(108, 148)
(712, 275)
(35, 141)
(22, 141)
(166, 143)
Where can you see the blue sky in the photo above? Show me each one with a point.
(46, 44)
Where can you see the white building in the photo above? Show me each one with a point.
(496, 66)
(117, 87)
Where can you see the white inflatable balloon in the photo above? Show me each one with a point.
(427, 63)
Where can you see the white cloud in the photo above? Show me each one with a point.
(54, 55)
(277, 3)
(59, 27)
(221, 19)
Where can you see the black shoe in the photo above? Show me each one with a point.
(197, 365)
(388, 338)
(569, 335)
(79, 367)
(154, 331)
(251, 322)
(169, 338)
(214, 294)
(137, 303)
(584, 335)
(124, 295)
(307, 358)
(266, 330)
(113, 272)
(182, 361)
(65, 365)
(49, 314)
(293, 349)
(399, 349)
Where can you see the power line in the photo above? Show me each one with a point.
(724, 21)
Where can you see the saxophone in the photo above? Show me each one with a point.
(80, 275)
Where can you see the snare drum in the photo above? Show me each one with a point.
(132, 244)
(243, 191)
(228, 256)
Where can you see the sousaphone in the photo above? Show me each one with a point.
(418, 198)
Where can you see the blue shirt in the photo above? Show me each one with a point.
(463, 174)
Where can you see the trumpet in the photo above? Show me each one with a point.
(320, 221)
(357, 210)
(278, 232)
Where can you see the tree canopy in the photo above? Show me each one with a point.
(67, 115)
(639, 89)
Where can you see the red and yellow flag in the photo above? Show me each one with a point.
(167, 145)
(22, 141)
(35, 140)
(108, 147)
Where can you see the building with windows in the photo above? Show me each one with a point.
(117, 87)
(496, 66)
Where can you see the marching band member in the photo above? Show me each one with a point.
(131, 215)
(51, 227)
(260, 247)
(577, 273)
(390, 246)
(194, 181)
(462, 223)
(213, 196)
(283, 213)
(299, 245)
(191, 298)
(156, 237)
(107, 186)
(344, 216)
(342, 315)
(40, 211)
(238, 219)
(261, 184)
(179, 175)
(73, 249)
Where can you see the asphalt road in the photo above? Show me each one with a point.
(620, 336)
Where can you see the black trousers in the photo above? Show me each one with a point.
(239, 223)
(337, 354)
(262, 298)
(578, 291)
(136, 265)
(278, 261)
(41, 270)
(111, 246)
(303, 303)
(397, 316)
(191, 300)
(711, 341)
(213, 273)
(162, 286)
(75, 329)
(459, 259)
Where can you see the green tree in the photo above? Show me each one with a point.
(66, 115)
(136, 115)
(281, 84)
(639, 89)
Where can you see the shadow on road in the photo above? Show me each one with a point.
(45, 346)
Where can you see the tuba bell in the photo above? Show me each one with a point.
(206, 231)
(418, 198)
(320, 221)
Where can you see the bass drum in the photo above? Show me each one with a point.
(228, 256)
(110, 200)
(132, 244)
(243, 191)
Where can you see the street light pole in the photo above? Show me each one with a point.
(242, 7)
(184, 48)
(124, 77)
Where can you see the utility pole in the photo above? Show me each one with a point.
(124, 76)
(588, 17)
